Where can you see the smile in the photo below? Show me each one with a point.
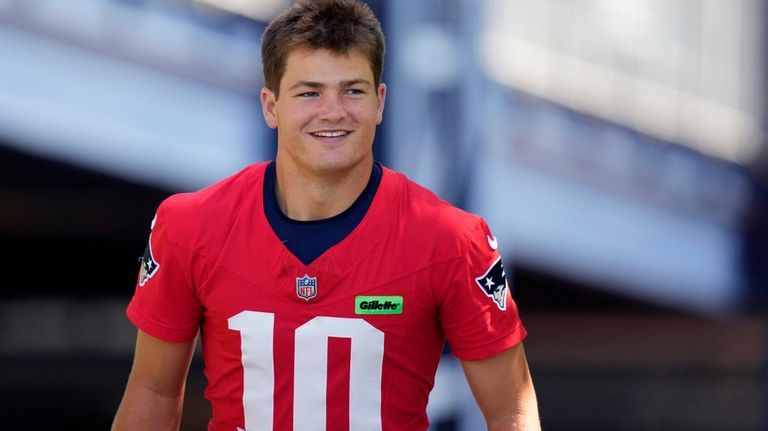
(330, 133)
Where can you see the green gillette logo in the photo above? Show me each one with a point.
(378, 305)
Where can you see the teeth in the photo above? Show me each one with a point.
(331, 134)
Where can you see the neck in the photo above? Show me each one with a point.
(305, 196)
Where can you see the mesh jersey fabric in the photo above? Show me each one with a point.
(286, 345)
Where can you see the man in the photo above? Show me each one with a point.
(323, 285)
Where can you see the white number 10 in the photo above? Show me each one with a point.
(310, 371)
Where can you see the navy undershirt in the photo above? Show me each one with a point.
(307, 240)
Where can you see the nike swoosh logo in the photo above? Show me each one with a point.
(492, 242)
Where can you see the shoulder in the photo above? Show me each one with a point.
(428, 218)
(188, 217)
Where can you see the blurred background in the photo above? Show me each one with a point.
(617, 148)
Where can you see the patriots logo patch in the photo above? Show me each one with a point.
(149, 265)
(494, 284)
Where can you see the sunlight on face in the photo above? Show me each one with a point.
(327, 112)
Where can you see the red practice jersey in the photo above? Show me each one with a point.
(348, 342)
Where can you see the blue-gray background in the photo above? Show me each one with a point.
(617, 149)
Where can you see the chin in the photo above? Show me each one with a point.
(334, 166)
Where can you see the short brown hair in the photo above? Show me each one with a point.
(336, 25)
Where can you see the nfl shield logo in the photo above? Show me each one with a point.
(306, 287)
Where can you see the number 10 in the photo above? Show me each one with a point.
(310, 371)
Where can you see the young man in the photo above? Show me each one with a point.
(322, 284)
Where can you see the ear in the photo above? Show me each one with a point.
(381, 97)
(268, 102)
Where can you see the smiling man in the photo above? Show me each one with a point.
(322, 284)
(325, 107)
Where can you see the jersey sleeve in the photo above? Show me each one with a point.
(164, 302)
(477, 312)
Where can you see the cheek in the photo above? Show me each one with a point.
(367, 113)
(293, 119)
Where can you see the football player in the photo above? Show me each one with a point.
(323, 285)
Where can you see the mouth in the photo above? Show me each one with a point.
(330, 133)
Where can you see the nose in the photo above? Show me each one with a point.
(331, 108)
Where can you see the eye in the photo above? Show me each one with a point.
(309, 94)
(354, 92)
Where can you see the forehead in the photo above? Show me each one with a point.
(322, 65)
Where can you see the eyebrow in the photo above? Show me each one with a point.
(318, 85)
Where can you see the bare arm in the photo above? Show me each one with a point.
(155, 391)
(503, 389)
